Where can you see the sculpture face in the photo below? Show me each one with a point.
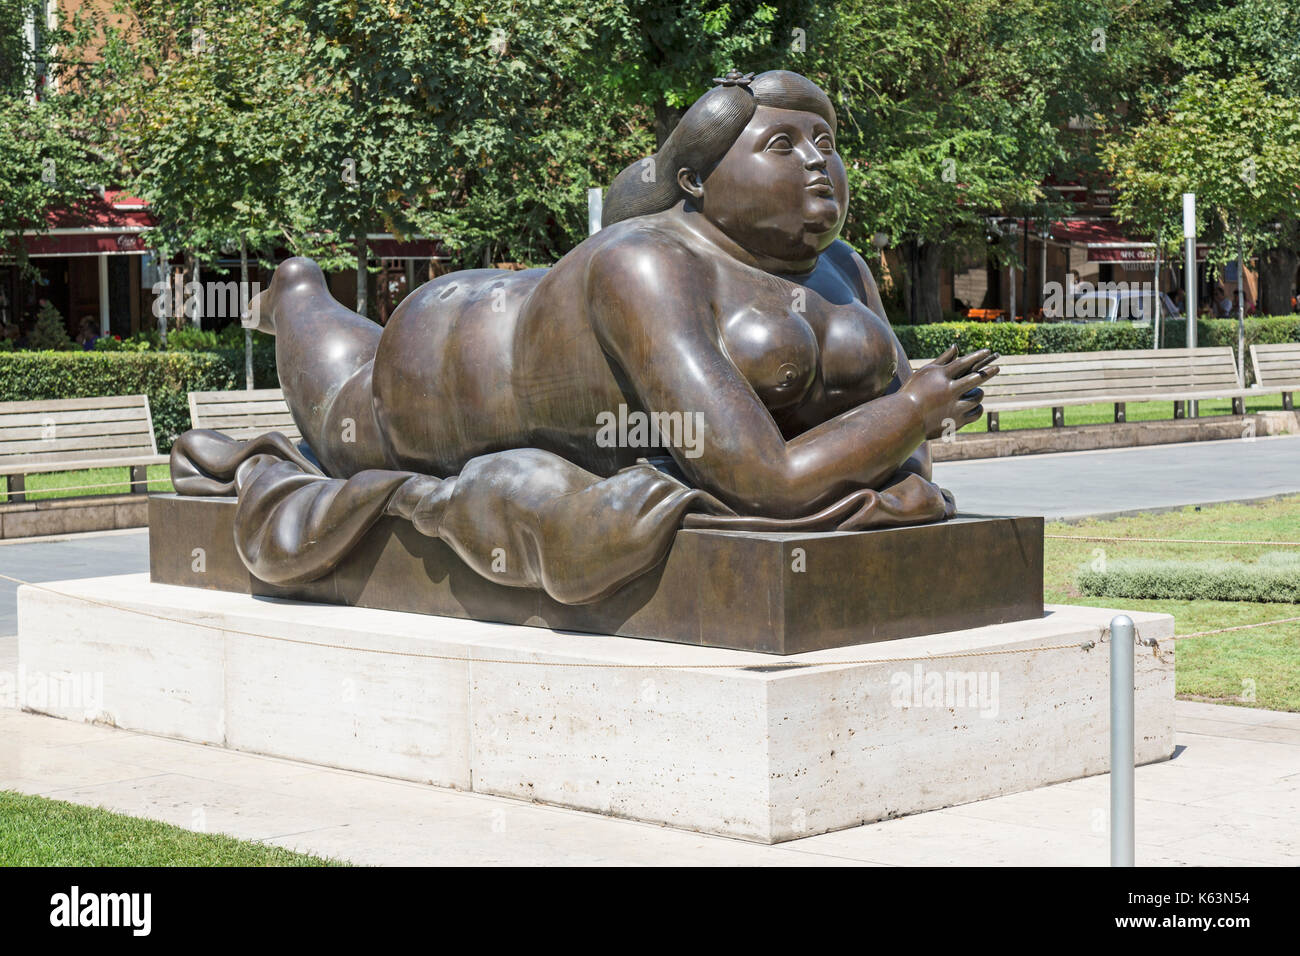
(780, 191)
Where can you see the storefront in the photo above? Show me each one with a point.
(92, 263)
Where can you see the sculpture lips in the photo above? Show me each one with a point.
(822, 186)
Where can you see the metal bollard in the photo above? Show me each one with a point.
(1121, 740)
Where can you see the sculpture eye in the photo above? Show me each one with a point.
(825, 143)
(780, 143)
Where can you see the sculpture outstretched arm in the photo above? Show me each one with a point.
(663, 336)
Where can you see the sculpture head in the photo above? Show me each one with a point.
(756, 158)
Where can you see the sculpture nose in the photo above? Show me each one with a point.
(813, 158)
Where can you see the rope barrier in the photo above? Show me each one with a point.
(1084, 645)
(105, 484)
(1077, 537)
(1102, 635)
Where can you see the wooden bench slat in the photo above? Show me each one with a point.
(70, 404)
(255, 394)
(52, 435)
(1277, 367)
(62, 431)
(76, 418)
(79, 464)
(10, 449)
(243, 414)
(1013, 405)
(243, 408)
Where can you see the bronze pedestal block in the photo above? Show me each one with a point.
(777, 593)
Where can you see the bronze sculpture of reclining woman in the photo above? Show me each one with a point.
(716, 310)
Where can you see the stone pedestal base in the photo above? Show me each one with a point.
(754, 591)
(751, 750)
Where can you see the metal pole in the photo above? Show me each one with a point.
(1155, 294)
(1189, 235)
(244, 299)
(595, 209)
(103, 293)
(1121, 740)
(1241, 314)
(1042, 265)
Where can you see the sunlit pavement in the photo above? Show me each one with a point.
(1231, 796)
(1119, 480)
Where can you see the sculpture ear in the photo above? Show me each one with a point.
(690, 182)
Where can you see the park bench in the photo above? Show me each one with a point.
(76, 433)
(1085, 378)
(243, 414)
(1277, 369)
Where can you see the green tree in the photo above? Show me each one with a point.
(1245, 173)
(198, 93)
(1222, 39)
(953, 112)
(50, 333)
(52, 158)
(664, 55)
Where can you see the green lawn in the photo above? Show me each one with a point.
(35, 831)
(107, 481)
(1134, 412)
(1209, 668)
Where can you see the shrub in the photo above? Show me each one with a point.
(1275, 577)
(1032, 338)
(165, 377)
(49, 333)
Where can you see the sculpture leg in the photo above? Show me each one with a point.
(325, 354)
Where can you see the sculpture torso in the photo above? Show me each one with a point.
(504, 360)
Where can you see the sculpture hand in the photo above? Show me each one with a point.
(947, 390)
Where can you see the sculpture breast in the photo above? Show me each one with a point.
(776, 353)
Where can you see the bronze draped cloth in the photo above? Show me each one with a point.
(524, 518)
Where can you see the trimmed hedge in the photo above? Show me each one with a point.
(1037, 338)
(165, 377)
(1276, 577)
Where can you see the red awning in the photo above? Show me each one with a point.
(116, 223)
(112, 223)
(1107, 241)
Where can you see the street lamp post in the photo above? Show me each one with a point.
(1189, 239)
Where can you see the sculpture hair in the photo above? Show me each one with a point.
(704, 135)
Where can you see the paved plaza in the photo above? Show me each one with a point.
(1123, 480)
(1229, 796)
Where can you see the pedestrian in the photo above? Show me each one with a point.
(87, 333)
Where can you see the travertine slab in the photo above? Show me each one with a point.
(751, 749)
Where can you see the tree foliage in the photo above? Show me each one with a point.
(52, 156)
(1245, 172)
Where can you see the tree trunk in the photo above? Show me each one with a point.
(188, 276)
(1277, 280)
(666, 119)
(921, 261)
